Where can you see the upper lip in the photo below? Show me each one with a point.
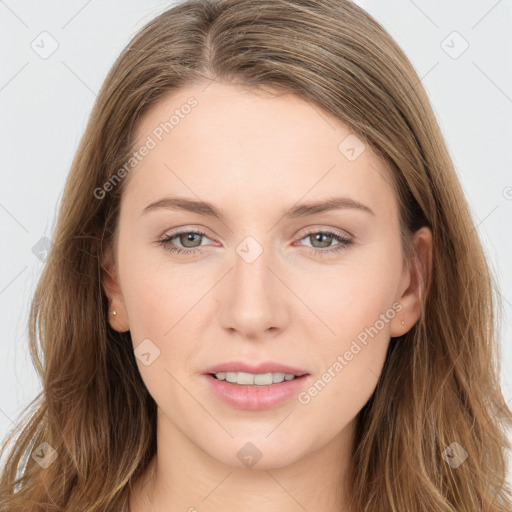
(264, 367)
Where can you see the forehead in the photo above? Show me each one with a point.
(245, 146)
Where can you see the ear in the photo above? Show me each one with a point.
(415, 283)
(109, 278)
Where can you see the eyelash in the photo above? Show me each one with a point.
(343, 242)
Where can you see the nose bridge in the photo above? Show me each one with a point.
(253, 299)
(251, 275)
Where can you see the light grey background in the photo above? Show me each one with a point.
(45, 101)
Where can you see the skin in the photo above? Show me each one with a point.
(253, 155)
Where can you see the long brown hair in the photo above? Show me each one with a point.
(440, 382)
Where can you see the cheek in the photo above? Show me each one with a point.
(162, 305)
(349, 365)
(155, 308)
(350, 297)
(356, 304)
(154, 293)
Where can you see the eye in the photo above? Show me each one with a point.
(187, 238)
(324, 239)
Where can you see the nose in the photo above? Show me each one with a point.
(253, 300)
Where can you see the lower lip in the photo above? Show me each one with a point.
(255, 398)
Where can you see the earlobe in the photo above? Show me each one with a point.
(417, 277)
(118, 324)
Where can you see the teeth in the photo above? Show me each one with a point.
(260, 379)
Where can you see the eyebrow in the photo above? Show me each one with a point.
(296, 211)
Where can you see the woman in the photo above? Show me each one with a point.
(266, 290)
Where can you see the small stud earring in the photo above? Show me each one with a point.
(114, 312)
(403, 323)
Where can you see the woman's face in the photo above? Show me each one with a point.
(277, 277)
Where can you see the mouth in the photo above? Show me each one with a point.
(256, 392)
